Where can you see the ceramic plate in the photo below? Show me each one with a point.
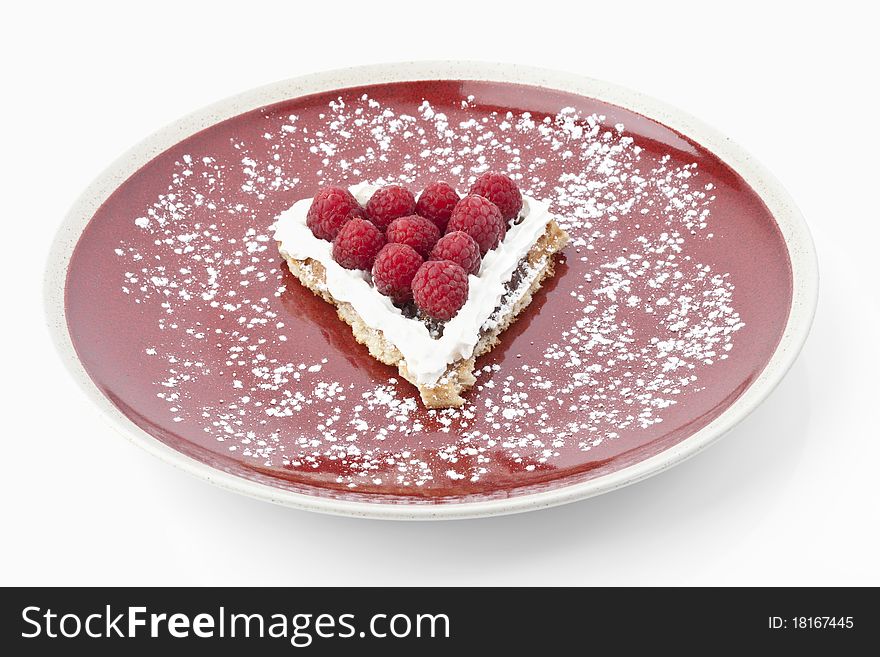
(684, 296)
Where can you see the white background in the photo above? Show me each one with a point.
(789, 497)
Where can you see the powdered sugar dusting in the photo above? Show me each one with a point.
(647, 317)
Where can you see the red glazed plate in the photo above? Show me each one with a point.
(684, 297)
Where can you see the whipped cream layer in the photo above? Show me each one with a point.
(427, 358)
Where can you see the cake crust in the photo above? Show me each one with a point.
(459, 375)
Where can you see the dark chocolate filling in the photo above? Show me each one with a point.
(435, 326)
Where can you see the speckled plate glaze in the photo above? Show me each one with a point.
(685, 295)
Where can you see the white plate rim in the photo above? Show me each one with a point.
(805, 278)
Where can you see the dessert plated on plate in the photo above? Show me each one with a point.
(427, 284)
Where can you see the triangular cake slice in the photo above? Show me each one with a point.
(435, 355)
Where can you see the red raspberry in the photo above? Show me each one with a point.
(502, 191)
(388, 203)
(415, 231)
(440, 288)
(394, 269)
(437, 202)
(460, 248)
(357, 244)
(331, 208)
(479, 218)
